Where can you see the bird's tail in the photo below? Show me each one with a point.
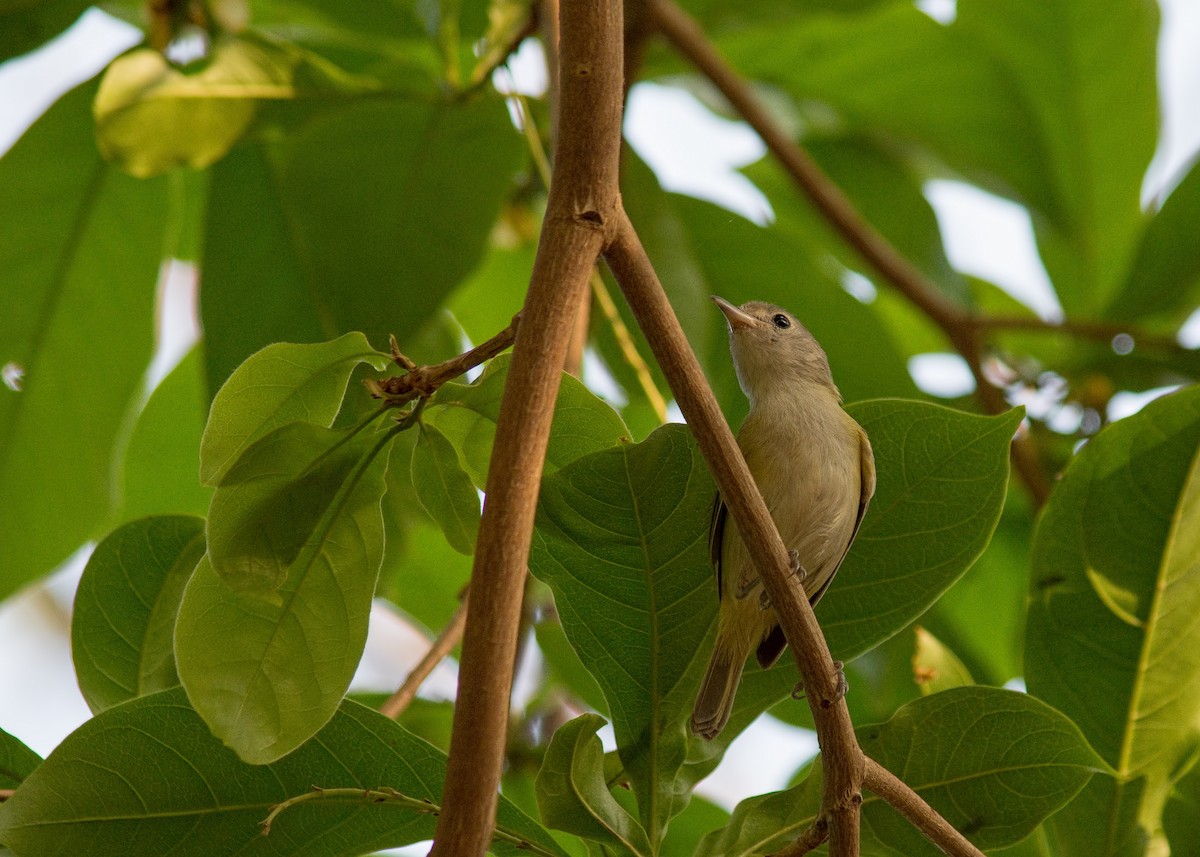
(714, 702)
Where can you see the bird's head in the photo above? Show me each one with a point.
(772, 350)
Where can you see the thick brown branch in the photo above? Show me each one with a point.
(583, 205)
(921, 815)
(442, 646)
(842, 757)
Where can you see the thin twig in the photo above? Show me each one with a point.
(1101, 331)
(5, 794)
(921, 815)
(422, 381)
(442, 646)
(422, 806)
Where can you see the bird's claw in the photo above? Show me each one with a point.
(745, 587)
(839, 693)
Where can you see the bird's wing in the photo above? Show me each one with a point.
(716, 536)
(866, 468)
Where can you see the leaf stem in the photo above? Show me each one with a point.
(422, 806)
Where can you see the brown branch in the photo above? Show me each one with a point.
(5, 794)
(583, 204)
(921, 815)
(442, 646)
(956, 323)
(842, 758)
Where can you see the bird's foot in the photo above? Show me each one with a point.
(797, 570)
(745, 587)
(839, 693)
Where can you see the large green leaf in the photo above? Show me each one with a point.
(445, 490)
(152, 117)
(147, 778)
(16, 761)
(1112, 639)
(1087, 81)
(621, 538)
(80, 249)
(467, 414)
(1051, 102)
(943, 475)
(573, 794)
(289, 498)
(283, 383)
(160, 474)
(123, 625)
(1165, 274)
(993, 763)
(28, 24)
(266, 669)
(363, 204)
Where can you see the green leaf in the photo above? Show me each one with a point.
(160, 475)
(467, 414)
(621, 538)
(573, 794)
(1049, 102)
(1165, 273)
(16, 762)
(123, 624)
(943, 475)
(936, 667)
(283, 383)
(285, 501)
(26, 25)
(266, 671)
(152, 117)
(1087, 83)
(993, 763)
(445, 490)
(365, 202)
(157, 782)
(80, 249)
(1111, 638)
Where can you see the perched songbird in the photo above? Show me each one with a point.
(814, 467)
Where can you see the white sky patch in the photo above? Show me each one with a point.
(600, 381)
(1179, 91)
(30, 84)
(1126, 404)
(694, 151)
(992, 238)
(942, 11)
(761, 759)
(941, 374)
(525, 71)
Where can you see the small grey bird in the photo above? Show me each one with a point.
(814, 467)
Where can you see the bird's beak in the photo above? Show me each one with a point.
(737, 319)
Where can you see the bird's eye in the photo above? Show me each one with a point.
(782, 321)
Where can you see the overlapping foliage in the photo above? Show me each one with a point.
(339, 173)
